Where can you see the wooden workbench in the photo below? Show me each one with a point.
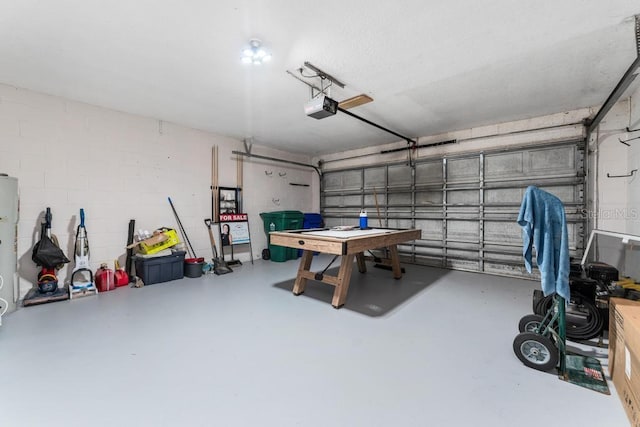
(348, 244)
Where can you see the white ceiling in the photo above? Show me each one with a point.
(431, 66)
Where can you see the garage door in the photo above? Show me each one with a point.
(465, 205)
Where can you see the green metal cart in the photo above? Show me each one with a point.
(541, 344)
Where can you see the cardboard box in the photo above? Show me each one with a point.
(628, 399)
(631, 346)
(616, 327)
(626, 375)
(163, 238)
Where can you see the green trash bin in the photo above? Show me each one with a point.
(280, 221)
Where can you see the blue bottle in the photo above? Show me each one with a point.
(363, 220)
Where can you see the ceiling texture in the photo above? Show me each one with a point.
(430, 66)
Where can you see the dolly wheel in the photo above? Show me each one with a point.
(530, 323)
(536, 351)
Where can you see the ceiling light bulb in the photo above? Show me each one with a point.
(254, 54)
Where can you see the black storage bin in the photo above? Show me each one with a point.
(160, 269)
(602, 271)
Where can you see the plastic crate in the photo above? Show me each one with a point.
(172, 240)
(282, 220)
(311, 220)
(160, 269)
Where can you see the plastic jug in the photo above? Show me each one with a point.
(363, 220)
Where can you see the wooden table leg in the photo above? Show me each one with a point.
(362, 266)
(344, 275)
(305, 265)
(395, 262)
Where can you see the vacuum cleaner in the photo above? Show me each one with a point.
(82, 283)
(47, 255)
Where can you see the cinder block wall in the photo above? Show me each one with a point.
(633, 162)
(611, 208)
(632, 261)
(69, 155)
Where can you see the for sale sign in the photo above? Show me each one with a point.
(234, 229)
(233, 217)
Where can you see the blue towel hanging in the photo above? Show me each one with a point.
(544, 227)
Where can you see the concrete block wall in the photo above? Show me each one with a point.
(610, 208)
(632, 253)
(633, 162)
(69, 155)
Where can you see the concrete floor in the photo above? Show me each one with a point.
(240, 350)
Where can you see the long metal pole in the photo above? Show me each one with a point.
(184, 233)
(622, 85)
(257, 156)
(369, 122)
(451, 141)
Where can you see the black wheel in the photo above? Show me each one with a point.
(536, 351)
(530, 322)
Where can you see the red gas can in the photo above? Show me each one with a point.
(105, 280)
(121, 276)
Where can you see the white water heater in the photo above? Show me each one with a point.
(8, 243)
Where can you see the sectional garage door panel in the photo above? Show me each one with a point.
(399, 176)
(546, 161)
(463, 197)
(431, 229)
(428, 200)
(503, 233)
(347, 180)
(463, 170)
(429, 173)
(466, 206)
(375, 177)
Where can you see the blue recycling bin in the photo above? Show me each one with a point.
(311, 220)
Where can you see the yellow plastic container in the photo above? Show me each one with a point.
(172, 240)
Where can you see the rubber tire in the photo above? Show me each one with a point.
(529, 322)
(536, 351)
